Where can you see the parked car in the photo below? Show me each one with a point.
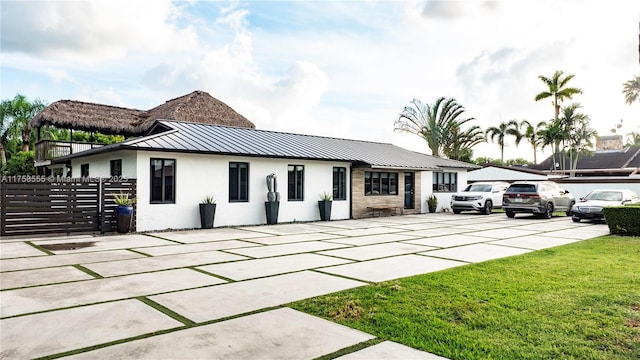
(590, 206)
(540, 198)
(480, 196)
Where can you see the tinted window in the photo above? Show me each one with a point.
(522, 188)
(478, 188)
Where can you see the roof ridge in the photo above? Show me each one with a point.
(93, 103)
(631, 158)
(280, 132)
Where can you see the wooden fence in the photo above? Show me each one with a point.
(41, 205)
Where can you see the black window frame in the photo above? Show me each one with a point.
(442, 182)
(295, 182)
(385, 183)
(235, 182)
(115, 164)
(163, 191)
(339, 183)
(84, 170)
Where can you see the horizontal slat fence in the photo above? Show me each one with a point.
(40, 206)
(108, 206)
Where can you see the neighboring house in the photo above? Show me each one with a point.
(491, 172)
(179, 163)
(612, 162)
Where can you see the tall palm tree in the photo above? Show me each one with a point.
(16, 113)
(631, 90)
(510, 128)
(433, 123)
(532, 134)
(557, 90)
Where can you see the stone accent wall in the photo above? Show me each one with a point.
(360, 202)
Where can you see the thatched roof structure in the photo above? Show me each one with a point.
(197, 107)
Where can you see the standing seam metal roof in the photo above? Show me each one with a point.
(216, 139)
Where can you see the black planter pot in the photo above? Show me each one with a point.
(124, 215)
(325, 210)
(207, 214)
(271, 207)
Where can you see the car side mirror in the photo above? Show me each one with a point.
(581, 199)
(566, 191)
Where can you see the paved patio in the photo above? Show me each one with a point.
(219, 293)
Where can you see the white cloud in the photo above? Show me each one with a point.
(92, 31)
(336, 68)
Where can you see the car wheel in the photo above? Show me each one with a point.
(455, 211)
(510, 214)
(488, 206)
(548, 213)
(575, 219)
(570, 207)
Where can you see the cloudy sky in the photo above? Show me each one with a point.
(334, 68)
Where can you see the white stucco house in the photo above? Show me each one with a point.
(208, 149)
(179, 163)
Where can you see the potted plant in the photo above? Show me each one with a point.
(324, 204)
(432, 203)
(207, 212)
(272, 205)
(124, 212)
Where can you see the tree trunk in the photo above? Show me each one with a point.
(3, 155)
(535, 159)
(25, 139)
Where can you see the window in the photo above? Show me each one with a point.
(84, 170)
(238, 182)
(115, 167)
(380, 183)
(445, 182)
(296, 183)
(163, 181)
(339, 183)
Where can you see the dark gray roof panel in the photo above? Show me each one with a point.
(215, 139)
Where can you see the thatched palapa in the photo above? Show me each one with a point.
(198, 107)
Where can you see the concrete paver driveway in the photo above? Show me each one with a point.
(219, 293)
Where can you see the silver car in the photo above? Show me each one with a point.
(590, 207)
(540, 198)
(480, 196)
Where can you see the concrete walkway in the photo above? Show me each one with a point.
(219, 293)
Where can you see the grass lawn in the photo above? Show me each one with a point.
(579, 301)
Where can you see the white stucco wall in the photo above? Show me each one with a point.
(199, 175)
(444, 198)
(99, 165)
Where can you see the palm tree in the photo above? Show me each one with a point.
(532, 134)
(552, 135)
(577, 134)
(433, 123)
(503, 130)
(557, 90)
(461, 142)
(15, 115)
(631, 90)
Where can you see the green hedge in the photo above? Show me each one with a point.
(623, 220)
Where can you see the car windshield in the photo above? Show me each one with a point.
(604, 195)
(522, 188)
(478, 188)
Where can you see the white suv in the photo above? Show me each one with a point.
(480, 196)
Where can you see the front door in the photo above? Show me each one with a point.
(409, 190)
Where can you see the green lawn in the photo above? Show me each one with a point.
(579, 301)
